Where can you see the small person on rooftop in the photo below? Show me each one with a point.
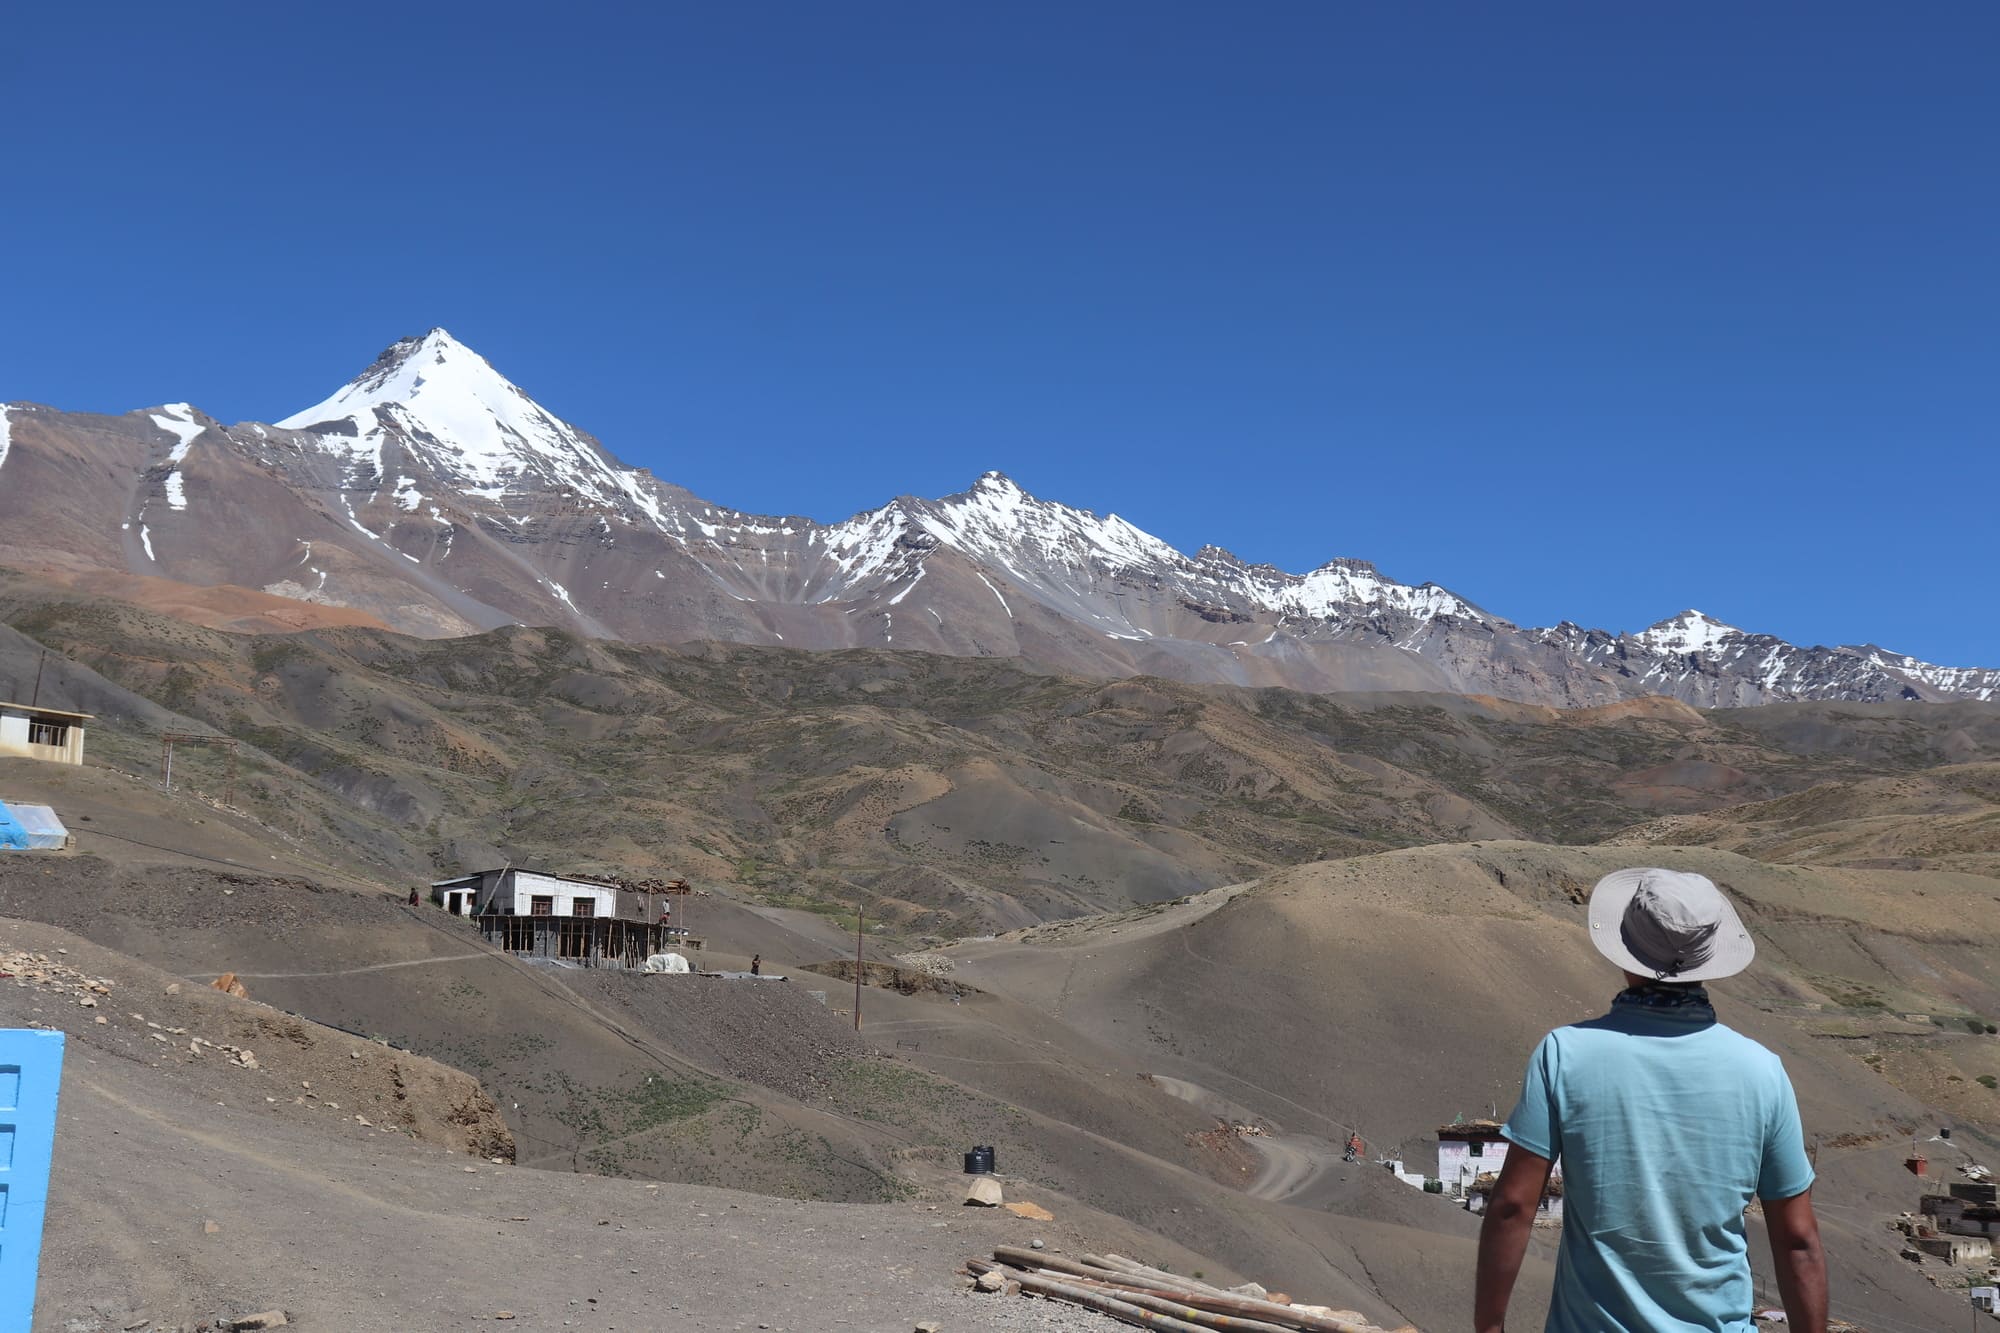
(1657, 1079)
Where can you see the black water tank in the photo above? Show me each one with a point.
(979, 1162)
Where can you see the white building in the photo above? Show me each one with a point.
(53, 734)
(557, 917)
(526, 893)
(1470, 1155)
(1467, 1151)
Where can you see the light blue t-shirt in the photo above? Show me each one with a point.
(1667, 1124)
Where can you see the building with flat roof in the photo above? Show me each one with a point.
(32, 732)
(1470, 1154)
(561, 917)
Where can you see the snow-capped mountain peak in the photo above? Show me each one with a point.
(474, 506)
(448, 374)
(1689, 632)
(469, 424)
(997, 518)
(435, 389)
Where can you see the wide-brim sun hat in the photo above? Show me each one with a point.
(1672, 925)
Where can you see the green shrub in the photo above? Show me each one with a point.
(1988, 1081)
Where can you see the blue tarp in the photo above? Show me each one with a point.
(13, 837)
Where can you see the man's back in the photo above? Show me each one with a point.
(1667, 1124)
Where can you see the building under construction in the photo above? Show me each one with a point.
(585, 923)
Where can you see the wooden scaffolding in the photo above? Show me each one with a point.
(587, 941)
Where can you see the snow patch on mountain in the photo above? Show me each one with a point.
(177, 420)
(6, 435)
(1972, 682)
(996, 593)
(860, 550)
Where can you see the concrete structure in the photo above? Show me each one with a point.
(562, 918)
(1411, 1178)
(1985, 1298)
(1956, 1250)
(528, 893)
(53, 734)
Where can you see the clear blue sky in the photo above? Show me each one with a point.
(1589, 311)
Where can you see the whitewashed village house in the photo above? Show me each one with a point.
(1470, 1154)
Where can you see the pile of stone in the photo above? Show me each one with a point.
(929, 961)
(38, 969)
(60, 980)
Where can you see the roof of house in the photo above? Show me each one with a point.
(37, 708)
(471, 875)
(1470, 1129)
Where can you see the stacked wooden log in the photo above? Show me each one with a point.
(1153, 1298)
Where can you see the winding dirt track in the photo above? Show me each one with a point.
(1292, 1163)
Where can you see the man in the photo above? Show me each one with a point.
(1667, 1124)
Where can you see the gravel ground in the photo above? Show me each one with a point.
(1026, 1314)
(168, 1210)
(763, 1031)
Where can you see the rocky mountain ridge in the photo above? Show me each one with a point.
(433, 494)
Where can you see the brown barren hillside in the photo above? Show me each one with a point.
(948, 793)
(1944, 818)
(1388, 994)
(1383, 993)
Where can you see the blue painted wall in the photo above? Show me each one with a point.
(30, 1073)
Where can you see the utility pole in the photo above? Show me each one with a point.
(857, 966)
(36, 697)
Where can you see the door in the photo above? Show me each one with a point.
(452, 902)
(30, 1072)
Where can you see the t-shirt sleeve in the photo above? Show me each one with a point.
(1785, 1172)
(1534, 1124)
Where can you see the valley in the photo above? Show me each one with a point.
(1188, 938)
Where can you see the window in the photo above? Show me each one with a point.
(1476, 1148)
(47, 733)
(583, 907)
(542, 904)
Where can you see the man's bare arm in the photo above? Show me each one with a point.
(1503, 1236)
(1801, 1264)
